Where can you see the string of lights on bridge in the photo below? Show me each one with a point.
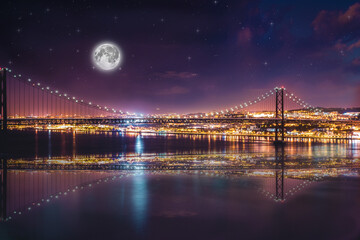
(71, 98)
(262, 98)
(301, 102)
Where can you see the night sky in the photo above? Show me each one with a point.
(188, 56)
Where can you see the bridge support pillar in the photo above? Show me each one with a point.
(3, 100)
(279, 115)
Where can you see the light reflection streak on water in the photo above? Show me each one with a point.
(139, 145)
(74, 143)
(139, 196)
(49, 145)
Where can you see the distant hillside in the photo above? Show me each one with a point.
(340, 110)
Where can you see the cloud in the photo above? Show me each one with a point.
(244, 36)
(340, 46)
(354, 45)
(354, 66)
(176, 90)
(332, 25)
(176, 75)
(356, 62)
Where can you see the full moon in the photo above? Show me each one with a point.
(106, 56)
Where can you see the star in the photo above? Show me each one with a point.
(197, 30)
(265, 63)
(189, 58)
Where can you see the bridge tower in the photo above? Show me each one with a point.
(279, 115)
(3, 100)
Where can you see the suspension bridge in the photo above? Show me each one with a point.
(28, 102)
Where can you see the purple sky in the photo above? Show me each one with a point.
(188, 56)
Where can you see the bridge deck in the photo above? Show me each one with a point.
(46, 121)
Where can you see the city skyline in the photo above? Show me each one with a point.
(189, 56)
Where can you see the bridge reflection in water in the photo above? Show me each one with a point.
(22, 190)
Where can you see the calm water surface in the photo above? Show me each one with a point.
(313, 194)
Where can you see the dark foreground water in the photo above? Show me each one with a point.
(310, 190)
